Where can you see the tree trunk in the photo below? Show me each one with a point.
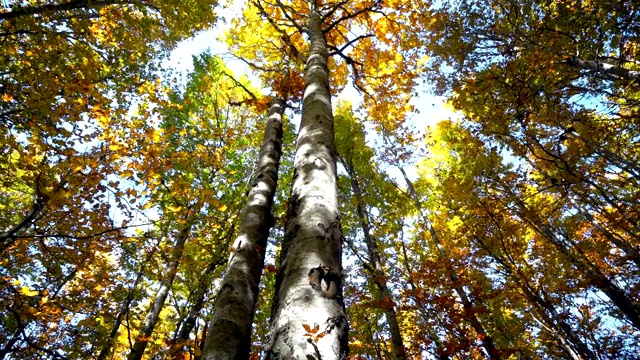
(617, 296)
(124, 310)
(560, 329)
(470, 313)
(631, 253)
(308, 287)
(440, 349)
(550, 319)
(229, 334)
(158, 302)
(376, 269)
(607, 71)
(184, 330)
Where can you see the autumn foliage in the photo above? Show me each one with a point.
(509, 230)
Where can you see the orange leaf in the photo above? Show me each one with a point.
(307, 327)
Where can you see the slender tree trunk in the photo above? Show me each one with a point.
(372, 338)
(559, 328)
(197, 298)
(229, 334)
(617, 296)
(182, 334)
(547, 324)
(124, 310)
(308, 287)
(440, 350)
(470, 313)
(158, 302)
(7, 348)
(614, 158)
(376, 268)
(550, 319)
(632, 254)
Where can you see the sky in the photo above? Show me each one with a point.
(429, 108)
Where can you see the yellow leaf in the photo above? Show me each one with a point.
(222, 207)
(174, 208)
(28, 292)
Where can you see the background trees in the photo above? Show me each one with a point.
(508, 232)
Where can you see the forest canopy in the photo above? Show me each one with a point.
(299, 206)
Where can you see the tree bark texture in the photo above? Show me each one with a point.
(229, 334)
(313, 237)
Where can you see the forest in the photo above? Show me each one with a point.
(305, 206)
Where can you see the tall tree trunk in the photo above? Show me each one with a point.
(186, 325)
(560, 329)
(631, 252)
(229, 334)
(158, 302)
(470, 313)
(308, 288)
(607, 71)
(377, 274)
(20, 11)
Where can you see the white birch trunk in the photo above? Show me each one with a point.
(229, 334)
(313, 235)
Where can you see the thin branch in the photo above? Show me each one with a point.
(241, 85)
(351, 16)
(65, 236)
(337, 51)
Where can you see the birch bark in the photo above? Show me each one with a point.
(229, 334)
(312, 236)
